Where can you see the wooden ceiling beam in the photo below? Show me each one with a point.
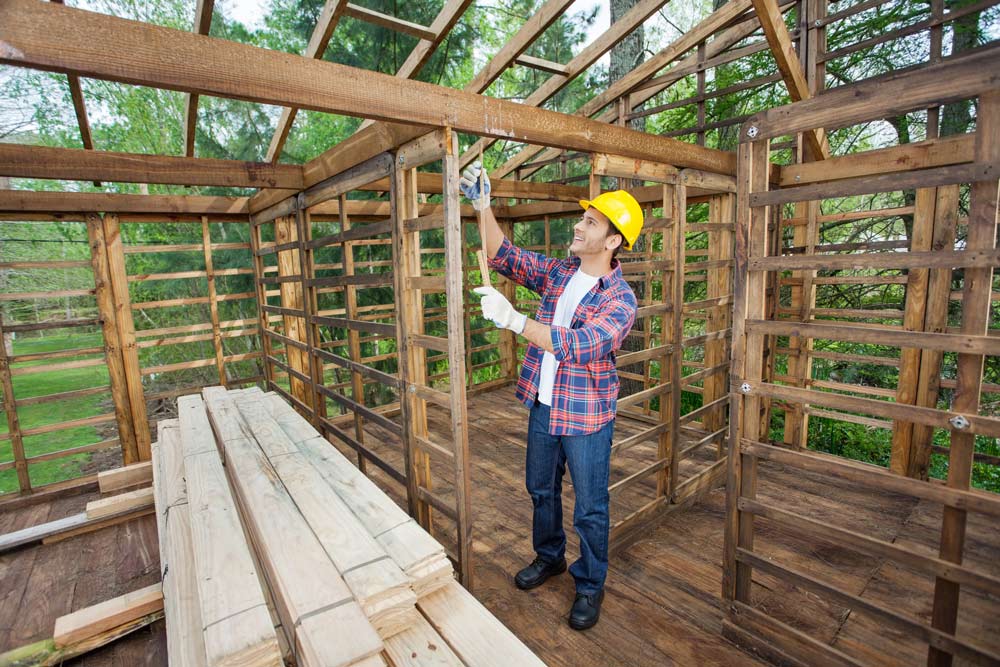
(202, 24)
(26, 201)
(81, 165)
(320, 39)
(61, 39)
(957, 78)
(390, 22)
(80, 108)
(783, 50)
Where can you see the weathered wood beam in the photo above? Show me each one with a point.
(325, 25)
(542, 65)
(74, 164)
(202, 24)
(881, 97)
(54, 38)
(389, 22)
(80, 108)
(25, 201)
(783, 50)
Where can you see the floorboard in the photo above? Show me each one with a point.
(662, 605)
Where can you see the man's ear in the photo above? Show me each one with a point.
(613, 241)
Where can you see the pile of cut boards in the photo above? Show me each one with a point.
(275, 549)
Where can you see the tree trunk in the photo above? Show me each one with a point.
(957, 117)
(628, 53)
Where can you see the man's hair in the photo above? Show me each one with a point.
(612, 231)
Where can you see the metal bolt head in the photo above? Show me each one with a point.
(412, 388)
(746, 388)
(752, 131)
(402, 160)
(959, 422)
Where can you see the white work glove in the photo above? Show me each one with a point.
(496, 307)
(469, 184)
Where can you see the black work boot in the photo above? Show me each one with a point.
(538, 572)
(586, 610)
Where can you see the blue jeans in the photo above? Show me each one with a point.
(589, 459)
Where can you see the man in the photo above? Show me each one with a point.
(568, 379)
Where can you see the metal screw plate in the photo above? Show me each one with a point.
(959, 422)
(746, 388)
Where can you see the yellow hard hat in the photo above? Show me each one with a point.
(622, 210)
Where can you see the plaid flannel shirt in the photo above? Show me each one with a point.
(585, 392)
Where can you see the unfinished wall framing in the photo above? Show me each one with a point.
(114, 353)
(939, 334)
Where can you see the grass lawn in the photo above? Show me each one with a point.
(44, 383)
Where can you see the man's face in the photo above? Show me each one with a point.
(590, 234)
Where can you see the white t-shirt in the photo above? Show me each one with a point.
(577, 288)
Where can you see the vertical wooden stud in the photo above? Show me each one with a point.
(213, 304)
(976, 293)
(126, 337)
(112, 344)
(13, 424)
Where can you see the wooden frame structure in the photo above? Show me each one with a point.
(930, 259)
(363, 320)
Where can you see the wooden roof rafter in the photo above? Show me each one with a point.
(80, 108)
(579, 64)
(716, 21)
(320, 39)
(202, 24)
(425, 48)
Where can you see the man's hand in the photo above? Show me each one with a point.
(469, 184)
(496, 307)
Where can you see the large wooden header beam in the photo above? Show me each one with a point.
(881, 97)
(79, 165)
(55, 38)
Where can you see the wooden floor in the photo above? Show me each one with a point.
(662, 605)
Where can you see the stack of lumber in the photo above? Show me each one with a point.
(272, 540)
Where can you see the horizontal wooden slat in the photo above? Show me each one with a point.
(946, 342)
(875, 477)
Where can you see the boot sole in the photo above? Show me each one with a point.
(539, 583)
(583, 626)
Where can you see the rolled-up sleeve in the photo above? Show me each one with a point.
(529, 269)
(601, 335)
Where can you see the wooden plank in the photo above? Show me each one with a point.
(458, 410)
(309, 592)
(880, 97)
(375, 581)
(91, 621)
(213, 306)
(389, 22)
(202, 24)
(118, 283)
(121, 478)
(185, 636)
(10, 413)
(937, 639)
(870, 546)
(475, 635)
(946, 342)
(885, 182)
(73, 164)
(51, 37)
(237, 625)
(875, 477)
(920, 155)
(122, 502)
(938, 259)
